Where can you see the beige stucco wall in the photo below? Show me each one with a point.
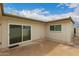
(37, 29)
(66, 33)
(77, 31)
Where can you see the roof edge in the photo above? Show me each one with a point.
(72, 20)
(69, 18)
(15, 16)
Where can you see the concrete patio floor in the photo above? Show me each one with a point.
(43, 48)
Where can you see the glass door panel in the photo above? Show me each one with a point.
(15, 34)
(26, 33)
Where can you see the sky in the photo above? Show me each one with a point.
(44, 11)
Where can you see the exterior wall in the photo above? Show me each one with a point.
(66, 33)
(37, 29)
(0, 35)
(77, 31)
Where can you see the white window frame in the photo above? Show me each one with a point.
(56, 31)
(22, 33)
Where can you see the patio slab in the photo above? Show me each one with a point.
(43, 48)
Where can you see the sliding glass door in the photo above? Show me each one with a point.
(16, 32)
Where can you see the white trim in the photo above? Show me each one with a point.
(1, 35)
(22, 32)
(8, 34)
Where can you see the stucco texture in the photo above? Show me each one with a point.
(39, 30)
(66, 33)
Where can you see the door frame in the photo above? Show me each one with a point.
(22, 33)
(1, 35)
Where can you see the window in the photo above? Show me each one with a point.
(55, 28)
(52, 28)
